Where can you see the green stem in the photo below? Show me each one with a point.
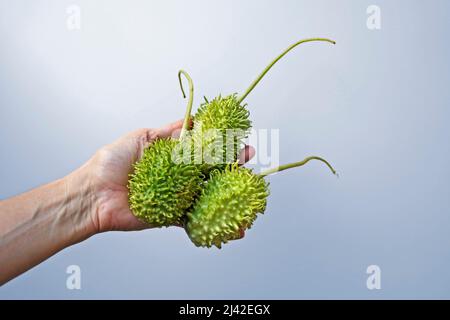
(262, 74)
(187, 116)
(296, 164)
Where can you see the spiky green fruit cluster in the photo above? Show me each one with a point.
(219, 129)
(228, 204)
(232, 196)
(161, 190)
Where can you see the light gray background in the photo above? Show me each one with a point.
(376, 105)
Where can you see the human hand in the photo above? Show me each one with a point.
(108, 172)
(92, 199)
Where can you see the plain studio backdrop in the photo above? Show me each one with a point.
(375, 105)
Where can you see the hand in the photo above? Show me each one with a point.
(92, 199)
(108, 173)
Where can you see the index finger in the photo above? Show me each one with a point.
(167, 130)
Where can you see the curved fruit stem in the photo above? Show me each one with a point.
(297, 164)
(263, 73)
(187, 116)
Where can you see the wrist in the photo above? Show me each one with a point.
(81, 204)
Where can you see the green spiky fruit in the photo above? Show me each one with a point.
(228, 204)
(219, 128)
(160, 189)
(213, 149)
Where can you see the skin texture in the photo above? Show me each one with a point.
(92, 199)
